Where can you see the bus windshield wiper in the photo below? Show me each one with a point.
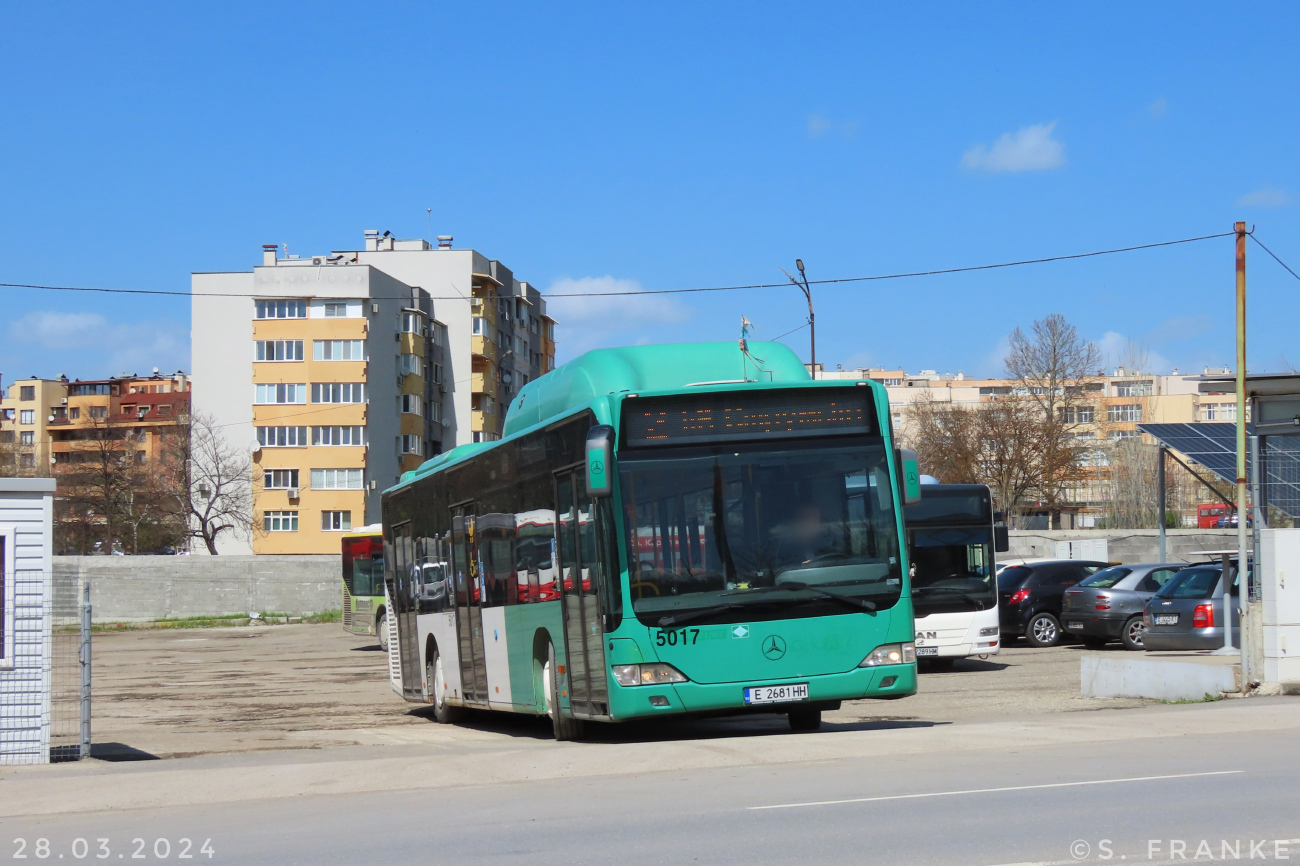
(960, 593)
(860, 603)
(701, 613)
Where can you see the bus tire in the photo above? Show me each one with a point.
(805, 720)
(566, 729)
(381, 631)
(443, 712)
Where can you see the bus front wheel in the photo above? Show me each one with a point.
(565, 728)
(443, 712)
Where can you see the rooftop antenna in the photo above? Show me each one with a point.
(429, 211)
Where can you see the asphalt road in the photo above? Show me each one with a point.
(1130, 784)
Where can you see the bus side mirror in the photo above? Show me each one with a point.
(1001, 538)
(600, 461)
(909, 475)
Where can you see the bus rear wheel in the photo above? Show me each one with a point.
(443, 712)
(381, 630)
(565, 728)
(805, 720)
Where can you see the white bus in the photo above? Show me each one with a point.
(951, 540)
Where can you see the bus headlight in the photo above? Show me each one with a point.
(890, 654)
(991, 631)
(647, 675)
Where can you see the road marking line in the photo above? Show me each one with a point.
(996, 790)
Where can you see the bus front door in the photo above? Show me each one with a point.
(579, 586)
(468, 581)
(404, 568)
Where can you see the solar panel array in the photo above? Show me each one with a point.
(1214, 446)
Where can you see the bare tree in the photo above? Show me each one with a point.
(1051, 367)
(208, 481)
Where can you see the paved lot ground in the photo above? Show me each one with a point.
(172, 693)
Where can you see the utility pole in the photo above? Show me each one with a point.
(812, 320)
(1243, 598)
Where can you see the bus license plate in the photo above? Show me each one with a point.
(776, 694)
(1167, 619)
(927, 650)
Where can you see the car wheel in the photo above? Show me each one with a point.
(805, 720)
(1043, 630)
(381, 629)
(1133, 633)
(443, 712)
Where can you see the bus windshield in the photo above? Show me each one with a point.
(753, 533)
(952, 569)
(363, 566)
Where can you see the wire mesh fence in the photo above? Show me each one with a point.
(45, 673)
(1281, 477)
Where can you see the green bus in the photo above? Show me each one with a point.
(364, 609)
(656, 535)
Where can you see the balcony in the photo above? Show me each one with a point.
(483, 383)
(482, 422)
(483, 347)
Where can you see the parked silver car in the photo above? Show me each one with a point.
(1108, 604)
(1187, 612)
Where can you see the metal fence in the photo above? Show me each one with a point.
(1281, 476)
(45, 679)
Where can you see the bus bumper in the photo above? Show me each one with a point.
(883, 682)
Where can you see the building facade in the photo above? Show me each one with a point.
(339, 372)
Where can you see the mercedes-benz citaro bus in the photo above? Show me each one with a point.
(662, 530)
(364, 611)
(951, 542)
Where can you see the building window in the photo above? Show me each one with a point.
(279, 479)
(27, 392)
(437, 374)
(338, 392)
(336, 479)
(74, 413)
(98, 411)
(335, 520)
(1133, 389)
(482, 327)
(1219, 412)
(27, 416)
(412, 365)
(482, 403)
(438, 333)
(279, 350)
(1076, 415)
(282, 437)
(336, 309)
(281, 309)
(338, 435)
(1124, 412)
(280, 521)
(281, 393)
(435, 410)
(6, 437)
(338, 350)
(89, 390)
(1121, 435)
(27, 437)
(479, 436)
(412, 323)
(27, 461)
(409, 444)
(411, 404)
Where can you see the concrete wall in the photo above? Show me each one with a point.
(1125, 545)
(127, 588)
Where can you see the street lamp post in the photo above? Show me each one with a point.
(812, 320)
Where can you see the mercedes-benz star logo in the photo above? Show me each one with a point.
(774, 648)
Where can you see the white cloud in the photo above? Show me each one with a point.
(994, 364)
(1265, 197)
(819, 126)
(88, 345)
(595, 318)
(1158, 107)
(1030, 148)
(1118, 350)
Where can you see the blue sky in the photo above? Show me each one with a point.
(664, 146)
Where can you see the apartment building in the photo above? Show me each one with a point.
(26, 411)
(1115, 404)
(141, 412)
(341, 371)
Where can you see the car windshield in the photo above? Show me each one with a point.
(951, 569)
(1198, 582)
(1107, 577)
(755, 532)
(1012, 576)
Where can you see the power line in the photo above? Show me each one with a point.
(898, 276)
(789, 332)
(1275, 258)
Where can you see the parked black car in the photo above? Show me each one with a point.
(1108, 604)
(1030, 596)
